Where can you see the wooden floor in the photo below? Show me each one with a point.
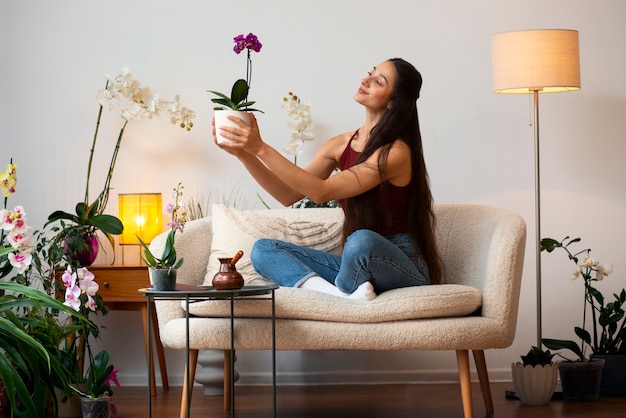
(347, 401)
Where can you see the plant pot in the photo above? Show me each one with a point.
(581, 379)
(534, 384)
(163, 278)
(83, 249)
(613, 381)
(95, 408)
(68, 407)
(221, 119)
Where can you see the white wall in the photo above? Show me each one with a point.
(478, 145)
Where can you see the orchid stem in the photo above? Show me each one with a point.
(93, 149)
(107, 185)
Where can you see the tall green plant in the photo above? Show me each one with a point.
(30, 363)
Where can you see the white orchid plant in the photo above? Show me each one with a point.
(133, 101)
(608, 334)
(300, 124)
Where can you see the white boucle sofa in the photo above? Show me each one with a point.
(475, 309)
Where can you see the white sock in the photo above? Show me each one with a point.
(364, 292)
(317, 283)
(320, 284)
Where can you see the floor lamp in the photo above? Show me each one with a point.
(533, 62)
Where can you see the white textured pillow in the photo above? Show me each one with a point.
(235, 229)
(415, 302)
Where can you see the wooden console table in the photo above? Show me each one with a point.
(119, 286)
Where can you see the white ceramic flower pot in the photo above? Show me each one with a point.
(221, 119)
(534, 384)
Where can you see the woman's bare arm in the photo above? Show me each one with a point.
(315, 181)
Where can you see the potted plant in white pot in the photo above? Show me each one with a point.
(237, 104)
(581, 376)
(535, 377)
(163, 269)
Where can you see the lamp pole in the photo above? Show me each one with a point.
(535, 92)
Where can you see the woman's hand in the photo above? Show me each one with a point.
(243, 138)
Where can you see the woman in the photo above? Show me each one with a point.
(382, 187)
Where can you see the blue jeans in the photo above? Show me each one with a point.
(387, 262)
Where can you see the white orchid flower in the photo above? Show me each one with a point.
(603, 270)
(575, 274)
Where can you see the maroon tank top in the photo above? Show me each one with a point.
(396, 198)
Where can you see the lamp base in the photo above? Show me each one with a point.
(511, 393)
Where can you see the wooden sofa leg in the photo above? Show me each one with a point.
(462, 359)
(483, 376)
(193, 361)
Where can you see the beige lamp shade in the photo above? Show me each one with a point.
(141, 215)
(536, 60)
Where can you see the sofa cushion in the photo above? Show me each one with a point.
(436, 301)
(235, 230)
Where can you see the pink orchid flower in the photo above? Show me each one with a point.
(69, 278)
(112, 378)
(72, 297)
(88, 285)
(20, 260)
(91, 303)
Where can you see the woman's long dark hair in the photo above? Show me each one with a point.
(366, 211)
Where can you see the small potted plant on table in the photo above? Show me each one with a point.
(163, 269)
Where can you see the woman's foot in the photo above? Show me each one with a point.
(364, 292)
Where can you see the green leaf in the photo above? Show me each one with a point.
(224, 103)
(15, 386)
(572, 241)
(549, 244)
(563, 345)
(223, 100)
(596, 295)
(147, 256)
(536, 356)
(20, 336)
(42, 299)
(178, 263)
(81, 209)
(253, 109)
(583, 334)
(217, 93)
(239, 91)
(108, 224)
(59, 214)
(169, 251)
